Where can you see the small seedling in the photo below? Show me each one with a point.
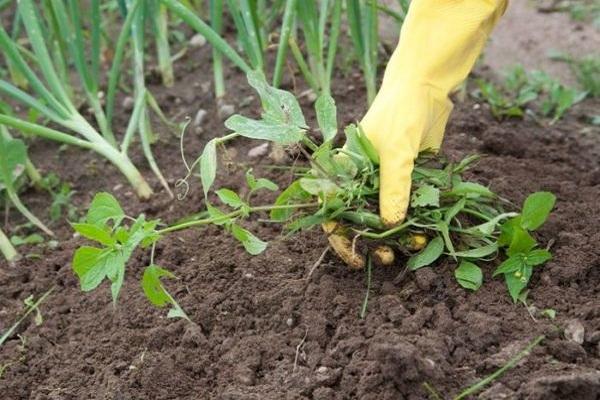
(30, 306)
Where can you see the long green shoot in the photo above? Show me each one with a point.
(51, 99)
(363, 28)
(160, 19)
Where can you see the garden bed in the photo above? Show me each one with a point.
(264, 329)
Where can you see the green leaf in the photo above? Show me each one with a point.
(517, 281)
(152, 286)
(426, 195)
(537, 257)
(279, 106)
(367, 146)
(487, 228)
(454, 210)
(507, 230)
(536, 209)
(251, 243)
(13, 156)
(318, 186)
(277, 132)
(218, 215)
(522, 242)
(230, 198)
(510, 265)
(468, 275)
(104, 207)
(157, 294)
(260, 183)
(428, 255)
(92, 265)
(208, 165)
(470, 190)
(34, 238)
(94, 232)
(292, 194)
(478, 252)
(354, 148)
(326, 116)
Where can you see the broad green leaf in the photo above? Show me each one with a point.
(510, 265)
(230, 198)
(425, 196)
(522, 242)
(470, 190)
(91, 265)
(292, 194)
(318, 186)
(157, 294)
(428, 255)
(251, 243)
(97, 233)
(104, 207)
(326, 116)
(279, 106)
(468, 275)
(536, 209)
(537, 257)
(208, 165)
(478, 252)
(516, 282)
(277, 132)
(13, 156)
(507, 230)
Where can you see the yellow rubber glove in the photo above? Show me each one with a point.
(439, 44)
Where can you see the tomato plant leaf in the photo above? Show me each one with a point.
(97, 233)
(468, 275)
(104, 208)
(536, 209)
(428, 255)
(326, 116)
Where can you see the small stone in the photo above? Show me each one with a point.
(197, 40)
(127, 103)
(277, 153)
(322, 370)
(289, 322)
(225, 111)
(248, 276)
(199, 118)
(259, 151)
(205, 87)
(575, 331)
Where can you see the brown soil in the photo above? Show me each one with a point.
(263, 331)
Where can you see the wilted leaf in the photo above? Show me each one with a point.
(277, 132)
(208, 165)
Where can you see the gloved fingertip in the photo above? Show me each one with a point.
(393, 210)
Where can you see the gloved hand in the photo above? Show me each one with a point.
(439, 44)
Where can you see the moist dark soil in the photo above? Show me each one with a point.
(262, 328)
